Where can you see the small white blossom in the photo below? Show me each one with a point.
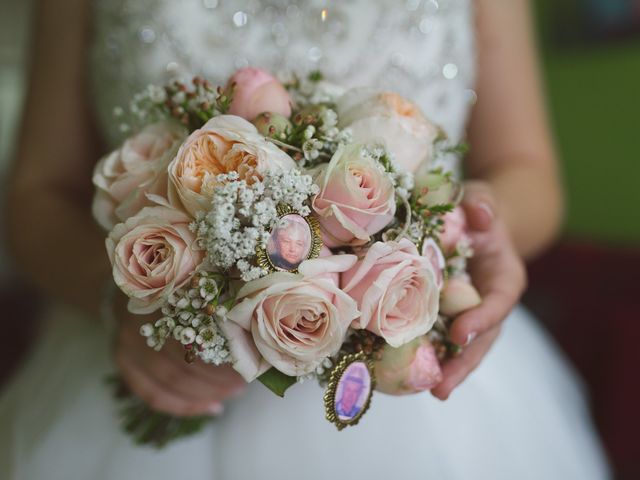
(309, 132)
(311, 148)
(146, 330)
(156, 94)
(182, 303)
(187, 336)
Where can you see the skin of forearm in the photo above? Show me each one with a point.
(58, 246)
(530, 201)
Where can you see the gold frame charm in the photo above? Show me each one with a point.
(352, 367)
(264, 256)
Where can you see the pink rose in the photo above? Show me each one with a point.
(356, 198)
(152, 254)
(291, 322)
(412, 368)
(455, 224)
(458, 296)
(372, 115)
(224, 144)
(396, 291)
(124, 177)
(257, 91)
(432, 252)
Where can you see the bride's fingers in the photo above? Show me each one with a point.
(182, 382)
(222, 377)
(168, 368)
(500, 279)
(479, 206)
(475, 322)
(159, 398)
(456, 370)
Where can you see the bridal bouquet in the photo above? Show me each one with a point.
(295, 230)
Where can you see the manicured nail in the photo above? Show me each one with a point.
(487, 209)
(470, 338)
(216, 408)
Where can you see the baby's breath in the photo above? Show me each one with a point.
(242, 215)
(191, 316)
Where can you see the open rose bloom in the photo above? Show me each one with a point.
(192, 201)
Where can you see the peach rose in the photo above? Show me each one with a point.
(124, 177)
(152, 254)
(291, 322)
(372, 116)
(412, 368)
(356, 198)
(257, 91)
(224, 144)
(396, 290)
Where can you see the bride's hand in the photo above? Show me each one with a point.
(499, 275)
(163, 379)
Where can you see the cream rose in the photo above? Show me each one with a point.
(291, 322)
(435, 188)
(396, 291)
(356, 198)
(125, 177)
(224, 144)
(372, 116)
(152, 254)
(458, 296)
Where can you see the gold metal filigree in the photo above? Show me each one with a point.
(332, 388)
(264, 260)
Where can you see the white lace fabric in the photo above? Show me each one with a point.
(422, 49)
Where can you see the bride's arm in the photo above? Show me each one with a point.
(51, 233)
(514, 203)
(512, 148)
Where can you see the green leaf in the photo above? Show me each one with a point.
(316, 76)
(460, 149)
(441, 208)
(276, 381)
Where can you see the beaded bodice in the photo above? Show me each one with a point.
(419, 48)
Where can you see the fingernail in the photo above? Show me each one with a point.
(470, 338)
(215, 408)
(486, 209)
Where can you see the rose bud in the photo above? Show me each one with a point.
(258, 91)
(433, 188)
(310, 113)
(458, 296)
(454, 231)
(273, 125)
(412, 368)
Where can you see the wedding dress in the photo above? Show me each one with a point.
(521, 415)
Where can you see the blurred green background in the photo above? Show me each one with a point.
(593, 85)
